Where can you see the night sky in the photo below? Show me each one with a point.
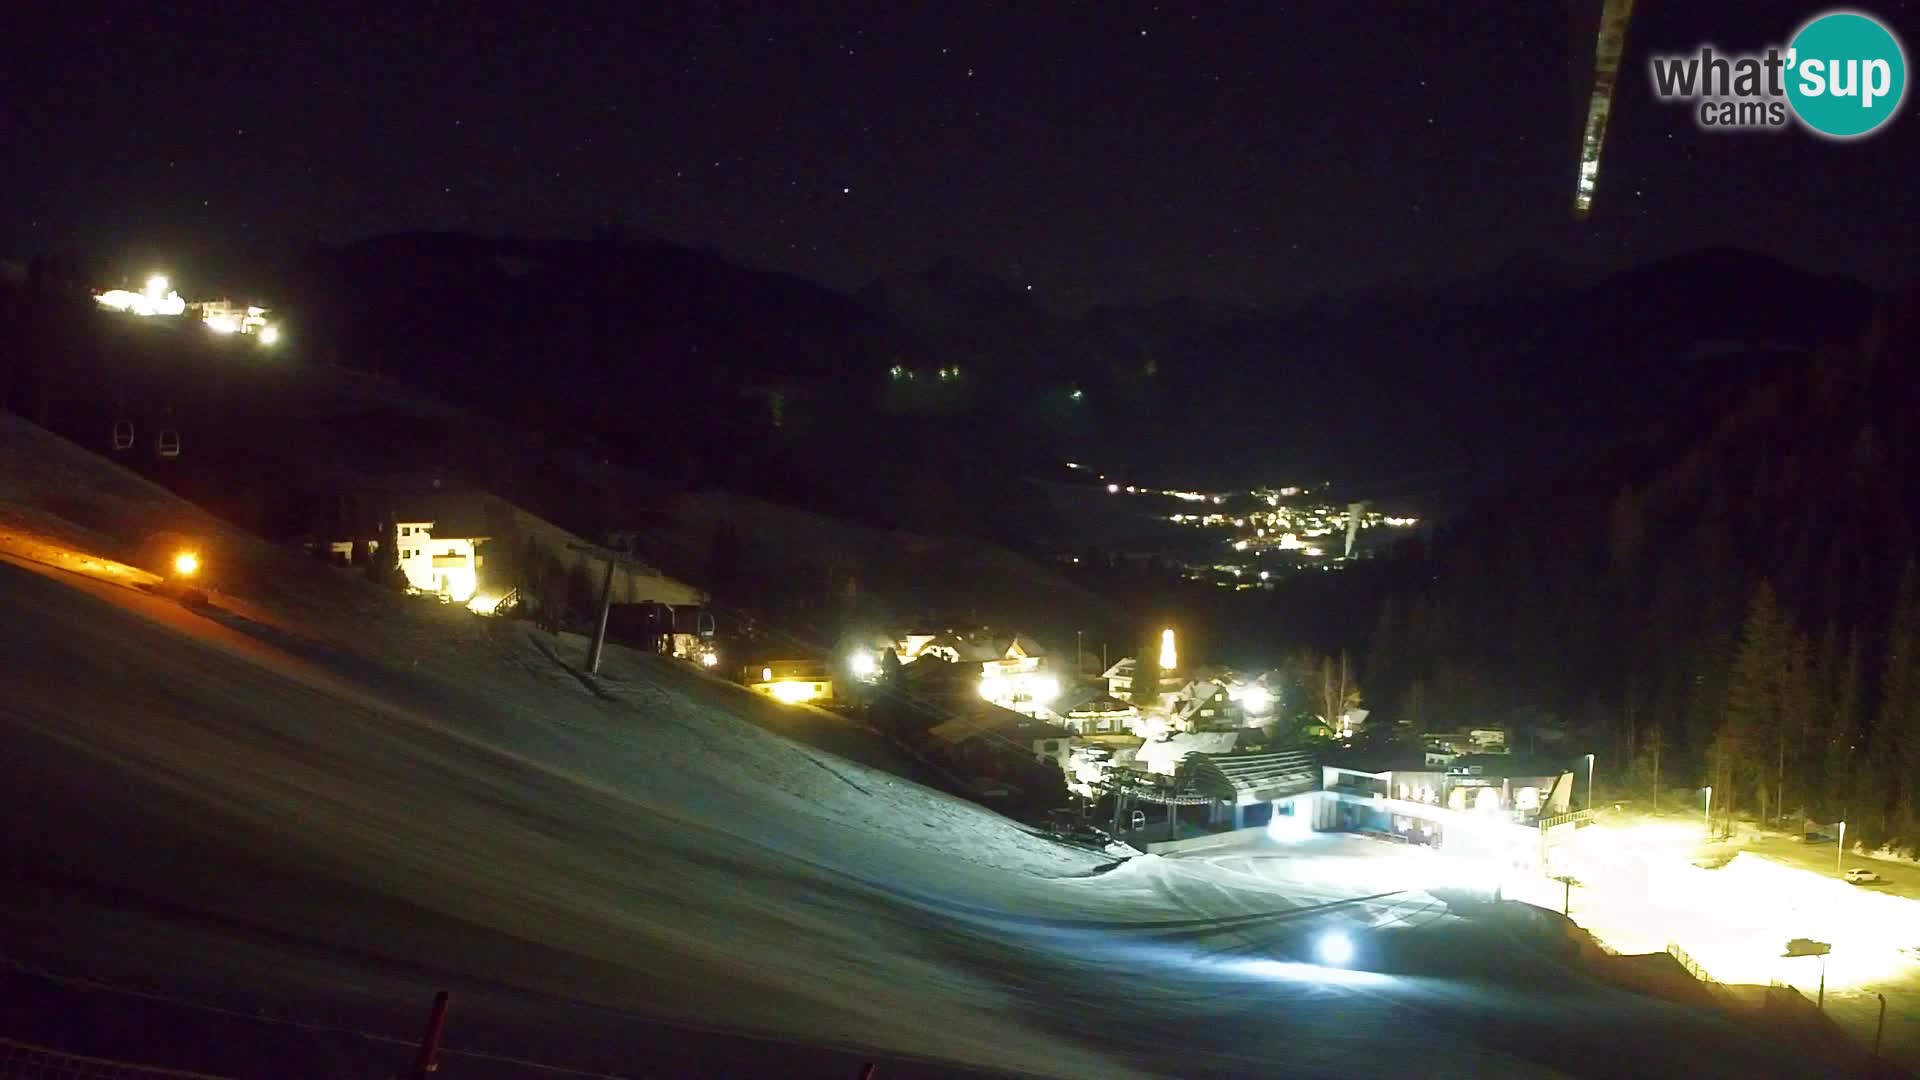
(1095, 152)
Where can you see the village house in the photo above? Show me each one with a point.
(1090, 709)
(441, 530)
(1201, 706)
(987, 729)
(1121, 676)
(437, 555)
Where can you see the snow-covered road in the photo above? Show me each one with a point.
(330, 825)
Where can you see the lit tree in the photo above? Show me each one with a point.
(1336, 690)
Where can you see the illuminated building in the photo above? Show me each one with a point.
(157, 298)
(980, 734)
(227, 317)
(790, 681)
(1481, 804)
(446, 566)
(1091, 709)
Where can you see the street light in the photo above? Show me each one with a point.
(1589, 781)
(1708, 816)
(1840, 852)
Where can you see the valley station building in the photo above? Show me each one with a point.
(1486, 805)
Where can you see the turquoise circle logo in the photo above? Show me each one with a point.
(1846, 74)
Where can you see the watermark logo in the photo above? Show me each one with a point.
(1842, 76)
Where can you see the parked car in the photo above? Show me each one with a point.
(1860, 875)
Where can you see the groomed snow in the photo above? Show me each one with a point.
(330, 806)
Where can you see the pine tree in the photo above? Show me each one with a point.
(1756, 690)
(1842, 736)
(1146, 674)
(1799, 702)
(1894, 749)
(384, 567)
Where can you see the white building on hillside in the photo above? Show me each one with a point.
(448, 566)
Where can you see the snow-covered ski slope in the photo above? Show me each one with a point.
(323, 803)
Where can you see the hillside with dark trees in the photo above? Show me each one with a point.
(1733, 606)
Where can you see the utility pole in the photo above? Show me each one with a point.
(599, 641)
(1882, 1027)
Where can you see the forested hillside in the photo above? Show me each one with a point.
(1741, 613)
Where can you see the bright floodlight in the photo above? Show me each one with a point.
(1043, 689)
(186, 564)
(1334, 949)
(794, 692)
(1256, 699)
(157, 287)
(1169, 658)
(863, 664)
(223, 324)
(269, 335)
(710, 659)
